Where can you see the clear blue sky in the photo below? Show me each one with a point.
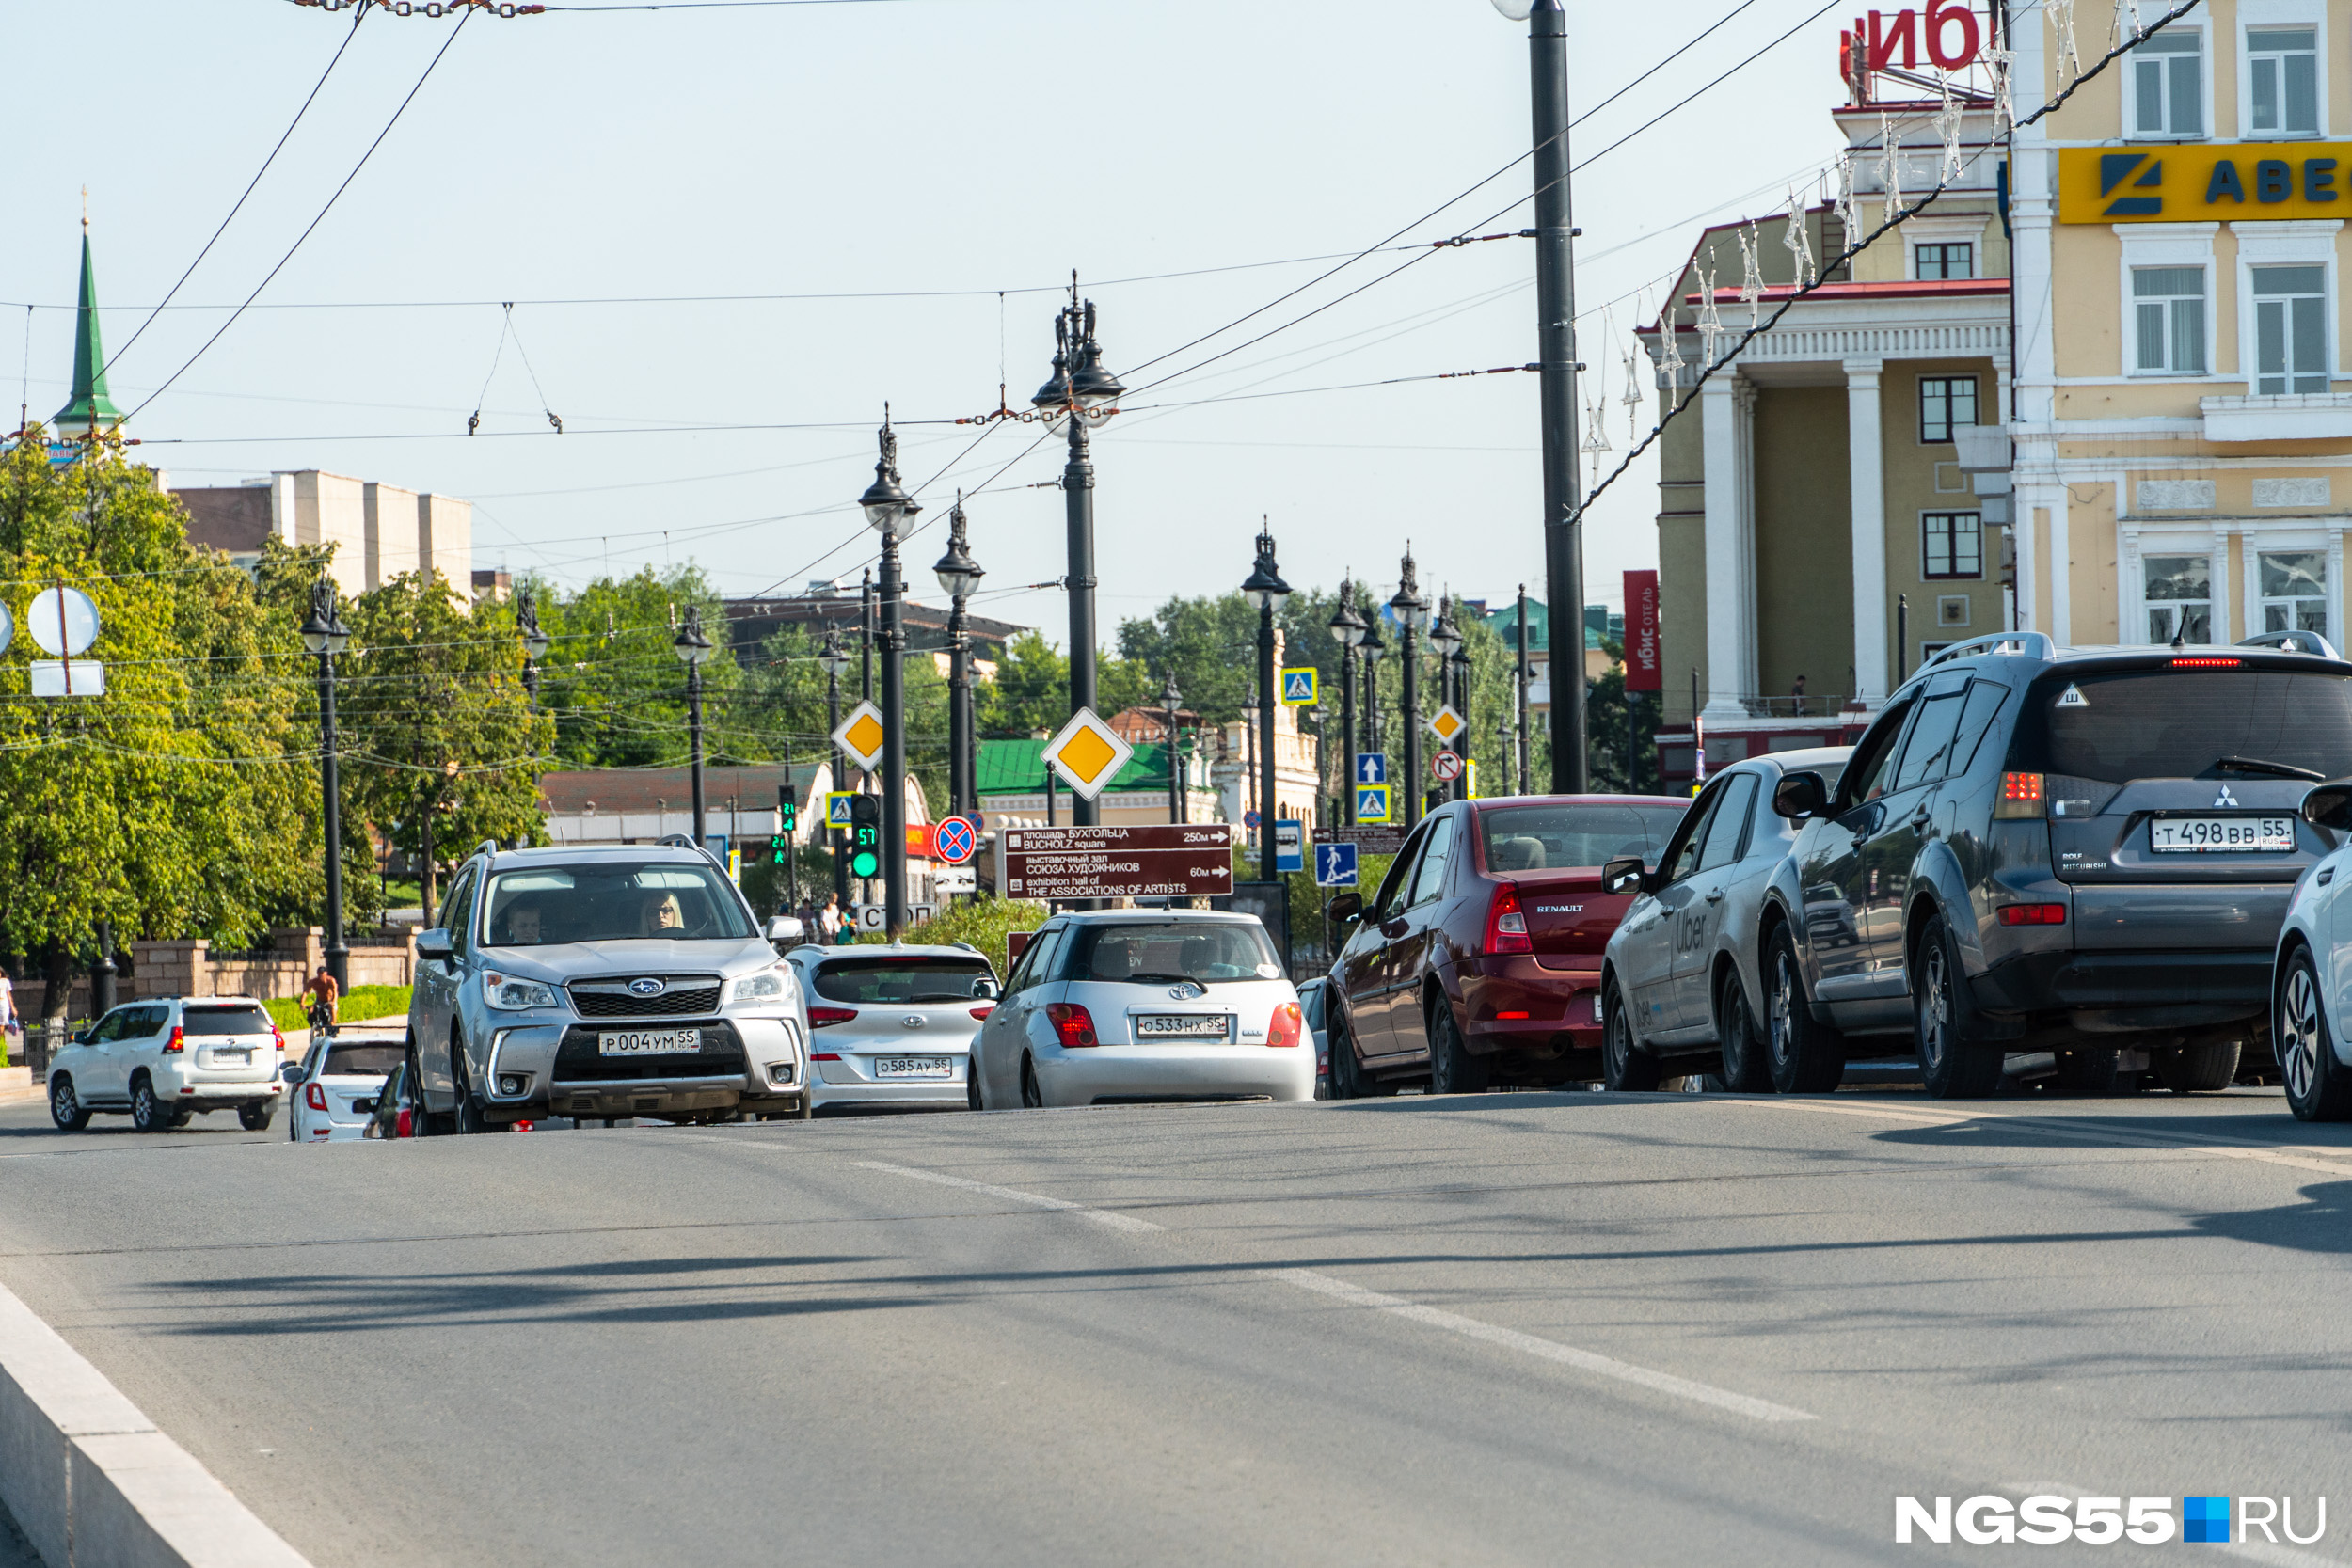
(905, 145)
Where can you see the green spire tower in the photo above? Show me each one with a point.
(91, 411)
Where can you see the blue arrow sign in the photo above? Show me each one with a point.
(1371, 802)
(1335, 866)
(1371, 767)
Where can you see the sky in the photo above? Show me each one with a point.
(922, 176)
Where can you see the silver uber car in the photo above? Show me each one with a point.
(605, 982)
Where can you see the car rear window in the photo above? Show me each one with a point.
(1154, 953)
(905, 980)
(224, 1020)
(2177, 724)
(1538, 838)
(364, 1059)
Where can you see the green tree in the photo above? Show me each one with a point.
(613, 684)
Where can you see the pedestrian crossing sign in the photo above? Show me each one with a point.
(1445, 724)
(1371, 802)
(1298, 686)
(838, 806)
(861, 735)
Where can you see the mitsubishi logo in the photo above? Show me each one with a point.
(647, 986)
(2225, 798)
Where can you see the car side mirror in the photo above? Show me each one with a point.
(434, 944)
(1623, 876)
(1347, 907)
(786, 928)
(2329, 805)
(293, 1075)
(1799, 796)
(83, 1036)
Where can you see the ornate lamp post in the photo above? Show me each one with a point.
(1082, 386)
(1372, 648)
(960, 578)
(836, 659)
(535, 642)
(693, 650)
(325, 634)
(1170, 697)
(1347, 630)
(1266, 589)
(1408, 607)
(1460, 659)
(888, 509)
(1446, 639)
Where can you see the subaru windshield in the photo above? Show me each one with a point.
(613, 901)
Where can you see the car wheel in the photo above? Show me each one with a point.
(467, 1118)
(1953, 1063)
(256, 1116)
(1747, 1066)
(2090, 1070)
(972, 1099)
(2319, 1088)
(1032, 1097)
(146, 1111)
(1452, 1069)
(1803, 1054)
(2199, 1069)
(1624, 1066)
(1348, 1079)
(65, 1106)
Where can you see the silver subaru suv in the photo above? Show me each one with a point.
(610, 982)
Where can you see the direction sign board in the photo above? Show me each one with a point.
(1335, 866)
(1290, 836)
(861, 735)
(1298, 686)
(1185, 861)
(955, 842)
(1088, 753)
(1445, 723)
(1371, 767)
(1372, 840)
(837, 807)
(1447, 766)
(1371, 802)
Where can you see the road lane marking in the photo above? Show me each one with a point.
(2299, 1157)
(1104, 1217)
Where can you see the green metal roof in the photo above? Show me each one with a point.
(1018, 768)
(1506, 622)
(90, 404)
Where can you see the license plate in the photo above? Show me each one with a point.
(1179, 1027)
(2268, 835)
(914, 1066)
(650, 1042)
(239, 1056)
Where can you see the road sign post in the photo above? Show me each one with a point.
(1335, 864)
(1289, 841)
(1447, 766)
(1060, 864)
(1371, 767)
(1371, 802)
(1298, 686)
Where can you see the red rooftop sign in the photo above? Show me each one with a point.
(1949, 35)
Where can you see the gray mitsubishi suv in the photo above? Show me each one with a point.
(2056, 861)
(607, 982)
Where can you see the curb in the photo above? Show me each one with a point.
(93, 1484)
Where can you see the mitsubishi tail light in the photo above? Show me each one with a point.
(1506, 921)
(1072, 1024)
(1286, 1025)
(2022, 796)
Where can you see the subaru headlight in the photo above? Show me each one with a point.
(513, 995)
(768, 985)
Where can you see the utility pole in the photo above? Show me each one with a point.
(889, 509)
(1555, 318)
(1266, 589)
(1169, 699)
(1526, 675)
(1405, 781)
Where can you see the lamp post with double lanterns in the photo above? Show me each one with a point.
(1347, 630)
(888, 509)
(836, 658)
(1460, 659)
(1169, 699)
(535, 642)
(1408, 607)
(1372, 648)
(1266, 589)
(958, 578)
(1082, 393)
(693, 649)
(1445, 640)
(325, 634)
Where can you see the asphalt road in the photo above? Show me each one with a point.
(1514, 1328)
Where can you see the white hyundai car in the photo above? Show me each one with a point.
(331, 1093)
(2311, 967)
(892, 1026)
(170, 1059)
(1124, 1007)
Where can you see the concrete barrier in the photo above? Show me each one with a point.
(93, 1484)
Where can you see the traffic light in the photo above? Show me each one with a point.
(866, 836)
(787, 810)
(779, 850)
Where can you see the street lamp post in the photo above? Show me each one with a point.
(1461, 661)
(535, 642)
(1525, 679)
(888, 509)
(1266, 589)
(1408, 607)
(325, 634)
(959, 578)
(693, 650)
(1445, 640)
(1170, 697)
(1347, 630)
(1080, 385)
(1372, 648)
(836, 659)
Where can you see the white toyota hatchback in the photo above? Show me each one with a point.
(168, 1060)
(331, 1092)
(891, 1025)
(1124, 1007)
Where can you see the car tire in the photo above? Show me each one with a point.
(65, 1106)
(255, 1116)
(1747, 1061)
(148, 1114)
(1452, 1069)
(1624, 1066)
(467, 1118)
(2202, 1068)
(2319, 1087)
(974, 1100)
(1032, 1097)
(1954, 1062)
(1349, 1081)
(2090, 1070)
(1802, 1054)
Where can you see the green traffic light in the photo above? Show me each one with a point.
(865, 863)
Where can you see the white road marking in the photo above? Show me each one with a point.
(2299, 1157)
(1355, 1295)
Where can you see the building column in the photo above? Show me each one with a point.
(2061, 566)
(1751, 669)
(2250, 580)
(1866, 482)
(2130, 587)
(2218, 617)
(1730, 575)
(2335, 585)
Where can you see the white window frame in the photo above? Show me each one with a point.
(1945, 230)
(2258, 538)
(2167, 244)
(2202, 30)
(2261, 15)
(2137, 541)
(2292, 242)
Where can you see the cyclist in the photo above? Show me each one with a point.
(319, 1001)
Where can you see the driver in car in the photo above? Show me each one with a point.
(663, 915)
(519, 926)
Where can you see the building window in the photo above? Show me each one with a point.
(2295, 591)
(2290, 329)
(2179, 591)
(2168, 84)
(1942, 262)
(2283, 81)
(2170, 303)
(1951, 544)
(1944, 401)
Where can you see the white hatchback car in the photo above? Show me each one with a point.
(168, 1059)
(891, 1025)
(1124, 1007)
(332, 1091)
(2311, 970)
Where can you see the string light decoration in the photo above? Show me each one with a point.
(1891, 169)
(1799, 244)
(1632, 398)
(1948, 127)
(1710, 319)
(1751, 274)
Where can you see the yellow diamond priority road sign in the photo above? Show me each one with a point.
(861, 735)
(1088, 754)
(1446, 723)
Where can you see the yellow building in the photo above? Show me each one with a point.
(2182, 413)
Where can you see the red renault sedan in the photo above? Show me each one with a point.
(1478, 959)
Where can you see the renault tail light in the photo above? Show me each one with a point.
(1506, 921)
(1072, 1024)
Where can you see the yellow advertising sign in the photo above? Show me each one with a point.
(2176, 183)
